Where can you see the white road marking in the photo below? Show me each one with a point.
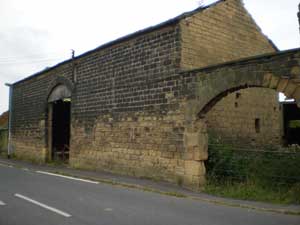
(2, 203)
(71, 178)
(108, 209)
(25, 169)
(5, 165)
(43, 205)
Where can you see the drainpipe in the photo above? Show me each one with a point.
(298, 101)
(299, 15)
(9, 146)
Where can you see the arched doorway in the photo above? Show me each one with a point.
(59, 119)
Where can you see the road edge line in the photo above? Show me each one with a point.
(178, 194)
(67, 177)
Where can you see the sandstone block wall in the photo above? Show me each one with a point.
(248, 116)
(125, 77)
(132, 109)
(126, 110)
(126, 117)
(29, 114)
(221, 33)
(139, 144)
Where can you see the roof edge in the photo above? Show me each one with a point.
(259, 28)
(124, 38)
(242, 60)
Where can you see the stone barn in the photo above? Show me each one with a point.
(143, 105)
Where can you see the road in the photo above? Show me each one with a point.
(31, 197)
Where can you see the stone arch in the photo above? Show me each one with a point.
(289, 87)
(196, 133)
(218, 97)
(279, 71)
(59, 81)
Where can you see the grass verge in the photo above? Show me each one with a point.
(250, 190)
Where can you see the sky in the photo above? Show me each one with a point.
(36, 34)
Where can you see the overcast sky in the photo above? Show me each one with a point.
(35, 34)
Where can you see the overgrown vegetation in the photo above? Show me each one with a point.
(269, 174)
(4, 120)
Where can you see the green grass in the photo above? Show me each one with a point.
(250, 190)
(268, 175)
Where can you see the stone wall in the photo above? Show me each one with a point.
(3, 140)
(126, 117)
(221, 33)
(140, 144)
(29, 115)
(144, 144)
(132, 109)
(124, 77)
(233, 118)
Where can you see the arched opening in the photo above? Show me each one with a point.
(265, 168)
(59, 119)
(279, 71)
(262, 123)
(247, 117)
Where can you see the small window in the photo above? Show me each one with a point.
(257, 125)
(236, 105)
(237, 95)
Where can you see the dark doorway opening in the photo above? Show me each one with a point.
(61, 130)
(291, 119)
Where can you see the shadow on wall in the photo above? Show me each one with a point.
(3, 140)
(3, 131)
(4, 120)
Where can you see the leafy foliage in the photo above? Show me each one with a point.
(258, 174)
(4, 120)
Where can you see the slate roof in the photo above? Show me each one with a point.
(135, 34)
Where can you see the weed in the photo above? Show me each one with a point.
(270, 175)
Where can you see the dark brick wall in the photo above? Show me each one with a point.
(29, 112)
(120, 78)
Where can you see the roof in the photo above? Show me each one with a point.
(133, 35)
(126, 37)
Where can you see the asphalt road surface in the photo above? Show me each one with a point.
(37, 198)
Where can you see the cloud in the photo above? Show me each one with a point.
(24, 51)
(36, 34)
